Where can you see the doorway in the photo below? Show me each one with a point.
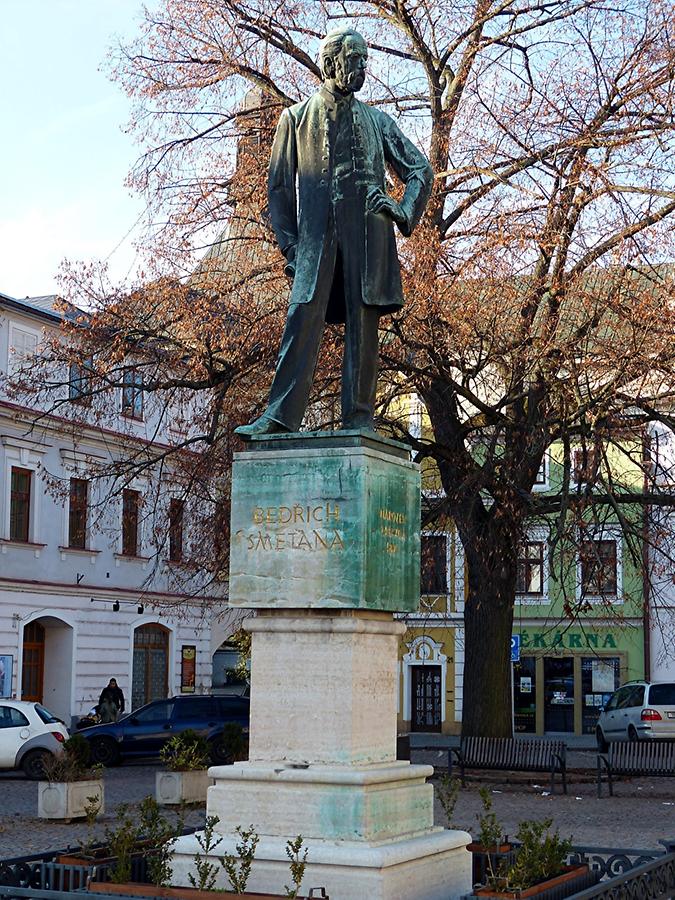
(559, 694)
(150, 679)
(33, 667)
(426, 697)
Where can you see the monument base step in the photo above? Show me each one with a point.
(431, 866)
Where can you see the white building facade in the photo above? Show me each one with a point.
(80, 603)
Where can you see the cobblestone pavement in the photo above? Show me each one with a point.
(22, 833)
(640, 815)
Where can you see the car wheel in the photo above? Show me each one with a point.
(633, 735)
(33, 764)
(220, 754)
(104, 751)
(601, 740)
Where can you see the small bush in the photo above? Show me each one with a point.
(185, 752)
(74, 764)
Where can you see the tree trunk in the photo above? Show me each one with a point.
(488, 619)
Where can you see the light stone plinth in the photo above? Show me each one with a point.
(325, 519)
(324, 686)
(432, 866)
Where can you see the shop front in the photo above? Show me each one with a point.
(565, 676)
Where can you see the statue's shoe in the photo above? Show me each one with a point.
(261, 426)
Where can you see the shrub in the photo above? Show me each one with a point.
(185, 752)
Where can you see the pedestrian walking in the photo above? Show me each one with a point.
(111, 702)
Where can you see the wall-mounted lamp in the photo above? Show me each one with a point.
(79, 576)
(116, 606)
(117, 603)
(141, 608)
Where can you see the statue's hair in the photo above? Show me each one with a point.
(332, 44)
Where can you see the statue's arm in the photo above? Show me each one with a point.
(412, 167)
(281, 189)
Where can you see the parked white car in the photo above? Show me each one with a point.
(29, 733)
(637, 711)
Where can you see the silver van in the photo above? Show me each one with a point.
(638, 710)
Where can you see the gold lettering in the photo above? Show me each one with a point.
(303, 542)
(315, 513)
(285, 515)
(271, 515)
(391, 548)
(337, 541)
(298, 514)
(264, 542)
(334, 513)
(281, 542)
(258, 515)
(318, 540)
(249, 541)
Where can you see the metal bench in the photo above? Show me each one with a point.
(512, 755)
(636, 758)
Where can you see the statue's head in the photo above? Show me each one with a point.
(343, 57)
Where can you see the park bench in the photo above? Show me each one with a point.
(511, 755)
(654, 758)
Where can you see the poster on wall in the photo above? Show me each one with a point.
(6, 663)
(188, 659)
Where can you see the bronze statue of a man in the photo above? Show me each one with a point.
(333, 221)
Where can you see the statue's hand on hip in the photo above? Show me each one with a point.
(379, 202)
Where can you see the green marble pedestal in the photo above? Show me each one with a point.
(325, 519)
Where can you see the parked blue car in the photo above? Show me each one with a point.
(146, 730)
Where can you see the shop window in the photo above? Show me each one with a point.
(130, 507)
(599, 679)
(77, 513)
(524, 695)
(530, 579)
(598, 568)
(434, 569)
(19, 504)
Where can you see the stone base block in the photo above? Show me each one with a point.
(324, 687)
(367, 803)
(433, 866)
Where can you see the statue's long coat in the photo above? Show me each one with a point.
(299, 191)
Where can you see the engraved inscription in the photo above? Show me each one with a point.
(269, 537)
(391, 528)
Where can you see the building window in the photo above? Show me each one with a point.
(434, 572)
(541, 478)
(132, 393)
(77, 513)
(598, 568)
(19, 505)
(176, 529)
(23, 345)
(79, 381)
(130, 506)
(585, 465)
(530, 579)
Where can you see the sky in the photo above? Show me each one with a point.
(64, 154)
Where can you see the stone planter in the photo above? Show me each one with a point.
(574, 879)
(68, 799)
(173, 788)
